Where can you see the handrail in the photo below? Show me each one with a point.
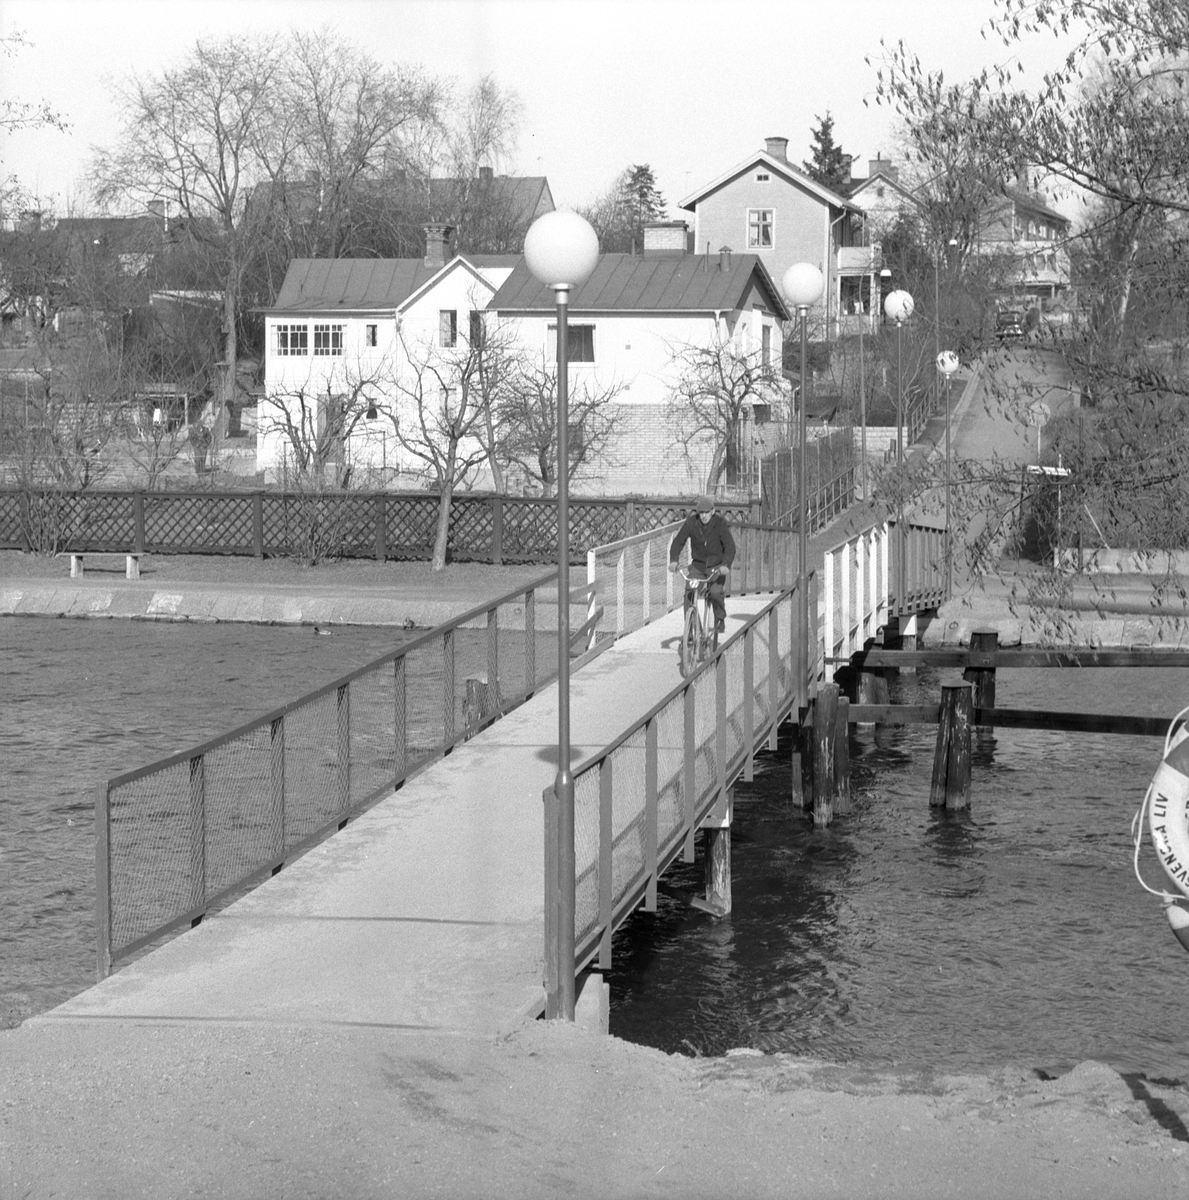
(177, 836)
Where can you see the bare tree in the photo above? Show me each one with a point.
(439, 409)
(204, 134)
(528, 420)
(714, 384)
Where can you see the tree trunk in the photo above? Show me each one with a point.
(716, 465)
(497, 472)
(445, 499)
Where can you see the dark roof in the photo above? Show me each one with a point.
(520, 193)
(1023, 199)
(332, 284)
(627, 282)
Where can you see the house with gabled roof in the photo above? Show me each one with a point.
(767, 206)
(339, 325)
(629, 323)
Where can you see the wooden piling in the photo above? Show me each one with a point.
(717, 864)
(983, 641)
(951, 762)
(825, 719)
(873, 689)
(842, 801)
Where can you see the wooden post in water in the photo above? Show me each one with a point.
(825, 716)
(802, 759)
(842, 802)
(951, 762)
(873, 688)
(983, 641)
(717, 855)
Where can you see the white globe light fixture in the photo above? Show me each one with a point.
(947, 363)
(898, 305)
(561, 251)
(802, 285)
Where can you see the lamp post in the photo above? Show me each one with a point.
(802, 285)
(947, 364)
(561, 250)
(898, 306)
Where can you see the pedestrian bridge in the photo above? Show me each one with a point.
(431, 907)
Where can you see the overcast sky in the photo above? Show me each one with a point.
(689, 86)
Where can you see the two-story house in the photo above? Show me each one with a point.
(768, 207)
(1031, 238)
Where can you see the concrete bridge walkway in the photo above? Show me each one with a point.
(426, 912)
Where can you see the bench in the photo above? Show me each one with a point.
(131, 563)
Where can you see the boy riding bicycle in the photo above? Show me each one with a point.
(712, 551)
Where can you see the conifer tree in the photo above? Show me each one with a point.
(829, 166)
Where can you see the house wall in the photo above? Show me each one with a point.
(801, 221)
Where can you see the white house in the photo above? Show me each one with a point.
(341, 331)
(344, 333)
(629, 324)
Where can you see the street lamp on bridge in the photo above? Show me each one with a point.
(947, 364)
(802, 285)
(561, 251)
(898, 306)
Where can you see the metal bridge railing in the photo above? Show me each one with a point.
(924, 567)
(180, 835)
(639, 802)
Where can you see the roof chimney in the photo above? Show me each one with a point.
(486, 174)
(724, 258)
(665, 239)
(436, 237)
(777, 147)
(882, 166)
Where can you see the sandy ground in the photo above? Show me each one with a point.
(551, 1111)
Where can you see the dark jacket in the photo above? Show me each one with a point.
(710, 545)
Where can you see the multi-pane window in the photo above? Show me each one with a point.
(766, 344)
(579, 343)
(293, 339)
(328, 339)
(369, 335)
(759, 228)
(475, 333)
(447, 327)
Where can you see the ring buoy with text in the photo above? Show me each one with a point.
(1168, 825)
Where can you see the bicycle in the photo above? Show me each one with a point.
(699, 635)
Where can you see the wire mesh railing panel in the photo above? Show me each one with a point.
(373, 735)
(670, 772)
(628, 814)
(761, 670)
(244, 831)
(705, 726)
(586, 852)
(315, 777)
(835, 564)
(735, 700)
(156, 852)
(425, 706)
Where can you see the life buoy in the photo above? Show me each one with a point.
(1168, 824)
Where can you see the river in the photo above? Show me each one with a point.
(900, 936)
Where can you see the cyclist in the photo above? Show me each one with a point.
(712, 550)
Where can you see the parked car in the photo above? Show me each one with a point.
(1009, 327)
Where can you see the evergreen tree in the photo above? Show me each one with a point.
(619, 216)
(829, 166)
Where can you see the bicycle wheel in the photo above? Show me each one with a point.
(690, 638)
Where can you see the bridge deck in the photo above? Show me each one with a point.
(426, 912)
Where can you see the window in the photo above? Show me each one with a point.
(476, 332)
(762, 177)
(328, 339)
(766, 344)
(879, 192)
(579, 343)
(447, 327)
(293, 339)
(369, 336)
(759, 228)
(854, 293)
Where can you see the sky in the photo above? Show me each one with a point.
(691, 87)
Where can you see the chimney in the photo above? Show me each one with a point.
(665, 239)
(724, 258)
(485, 177)
(436, 239)
(882, 166)
(777, 147)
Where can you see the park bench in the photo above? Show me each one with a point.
(131, 562)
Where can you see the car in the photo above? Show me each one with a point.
(1009, 327)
